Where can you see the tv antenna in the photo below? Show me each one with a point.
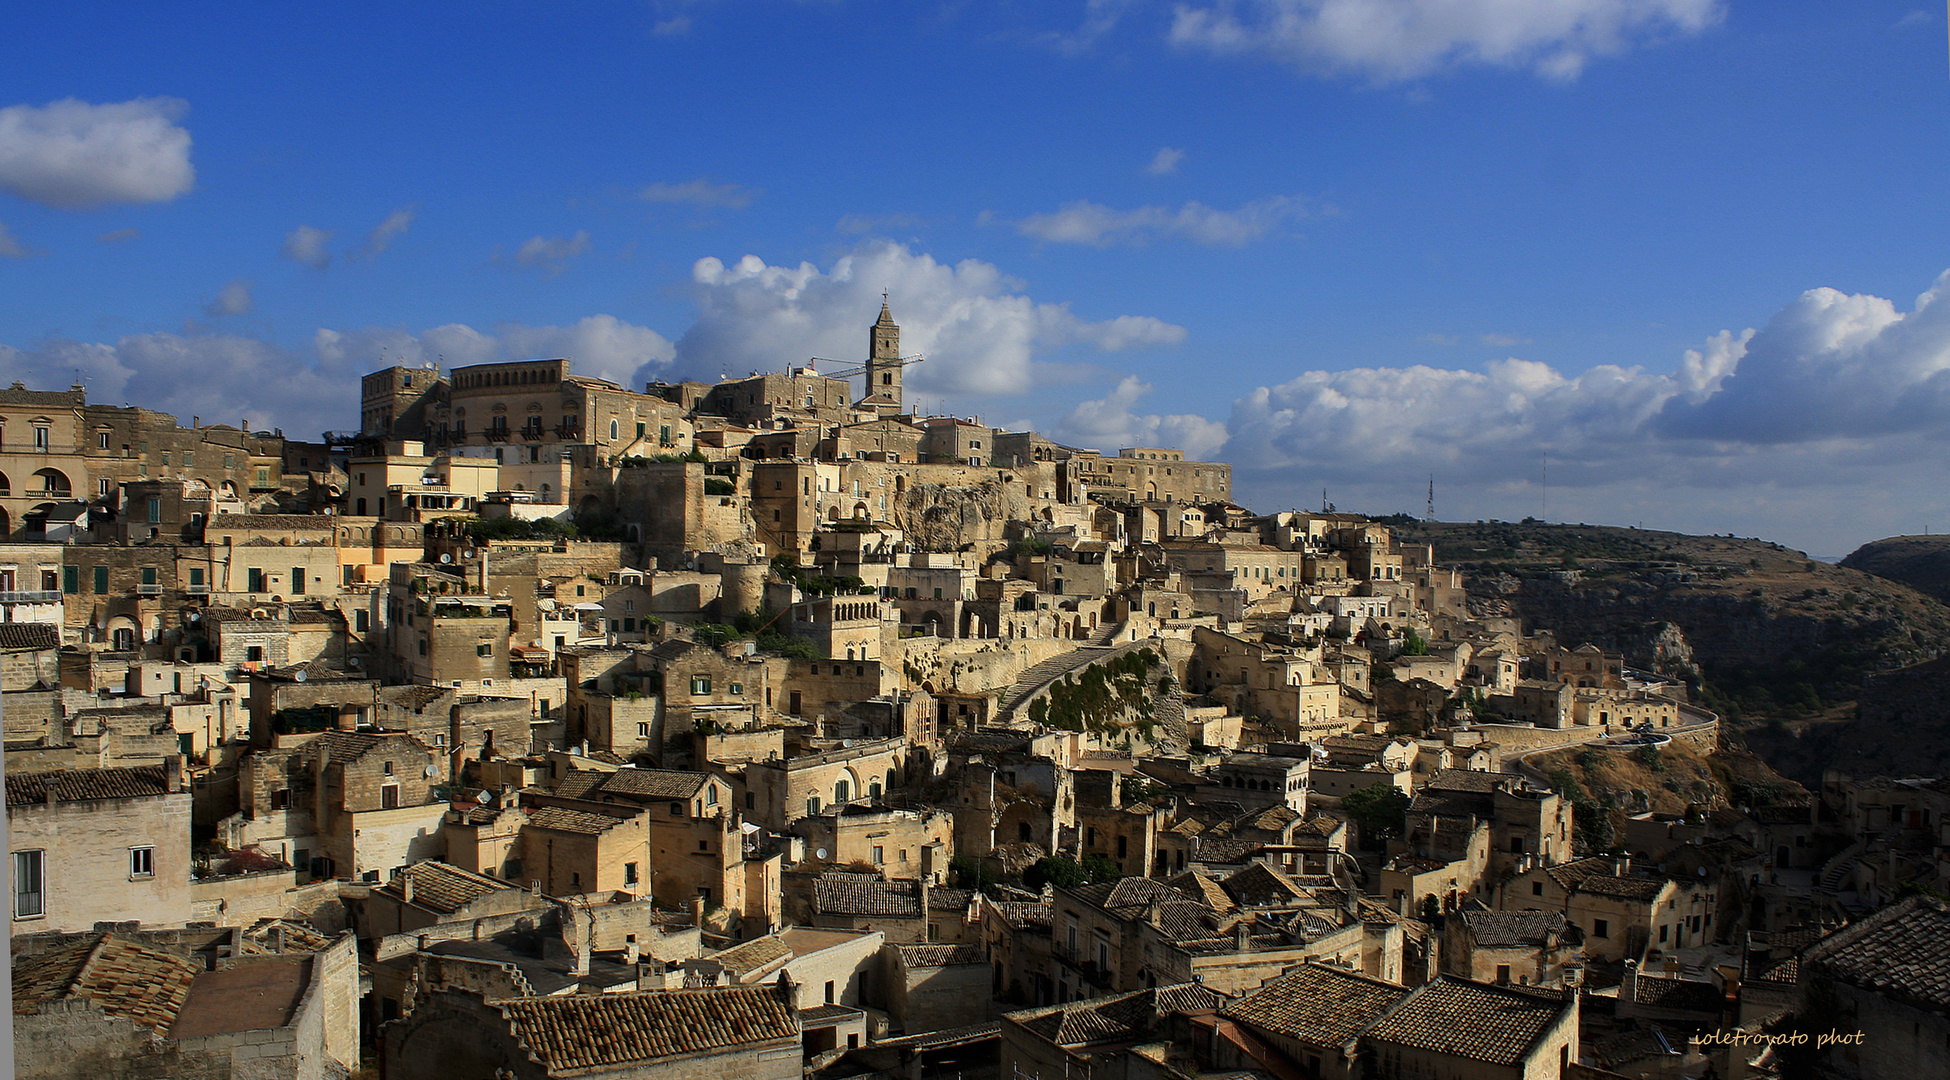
(1431, 513)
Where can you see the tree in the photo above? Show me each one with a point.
(1414, 645)
(1053, 870)
(1381, 813)
(1099, 868)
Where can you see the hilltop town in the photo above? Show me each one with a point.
(547, 727)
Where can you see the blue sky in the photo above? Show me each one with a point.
(1676, 248)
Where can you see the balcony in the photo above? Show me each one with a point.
(533, 434)
(496, 434)
(148, 590)
(567, 430)
(197, 590)
(30, 596)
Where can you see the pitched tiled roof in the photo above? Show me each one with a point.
(753, 955)
(580, 783)
(1469, 1020)
(1663, 993)
(956, 900)
(1204, 888)
(1126, 894)
(80, 785)
(1024, 913)
(940, 955)
(1623, 888)
(1259, 885)
(1225, 852)
(1126, 1016)
(1902, 951)
(125, 978)
(590, 1031)
(1503, 929)
(1317, 1004)
(1465, 780)
(1184, 920)
(653, 783)
(861, 895)
(29, 637)
(441, 887)
(563, 819)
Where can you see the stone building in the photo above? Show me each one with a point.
(128, 1004)
(99, 845)
(1883, 977)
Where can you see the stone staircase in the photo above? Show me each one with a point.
(1836, 870)
(1038, 676)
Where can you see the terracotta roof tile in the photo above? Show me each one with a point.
(743, 959)
(662, 784)
(1902, 951)
(563, 819)
(591, 1031)
(29, 637)
(82, 785)
(438, 886)
(860, 895)
(914, 956)
(1317, 1004)
(126, 979)
(1470, 1020)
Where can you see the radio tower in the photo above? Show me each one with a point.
(1431, 513)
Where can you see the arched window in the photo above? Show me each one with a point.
(613, 429)
(124, 639)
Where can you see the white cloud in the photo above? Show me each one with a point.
(1091, 223)
(1392, 40)
(11, 247)
(389, 230)
(1100, 18)
(119, 236)
(306, 246)
(312, 389)
(1918, 17)
(699, 193)
(978, 330)
(551, 254)
(1165, 161)
(232, 299)
(1110, 423)
(72, 155)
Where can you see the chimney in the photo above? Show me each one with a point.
(697, 911)
(630, 951)
(406, 886)
(173, 773)
(1620, 864)
(1242, 936)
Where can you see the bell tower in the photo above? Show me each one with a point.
(884, 363)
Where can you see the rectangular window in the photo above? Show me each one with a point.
(155, 510)
(142, 862)
(1600, 928)
(643, 731)
(40, 438)
(629, 873)
(101, 440)
(101, 580)
(297, 579)
(700, 684)
(389, 797)
(71, 579)
(254, 580)
(28, 886)
(879, 855)
(148, 575)
(485, 648)
(196, 576)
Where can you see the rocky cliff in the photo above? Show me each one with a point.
(1921, 562)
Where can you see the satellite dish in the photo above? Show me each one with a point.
(352, 660)
(302, 675)
(751, 647)
(446, 558)
(487, 798)
(432, 772)
(468, 554)
(819, 853)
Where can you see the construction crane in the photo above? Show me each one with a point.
(859, 369)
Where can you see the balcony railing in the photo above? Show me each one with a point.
(197, 590)
(30, 596)
(533, 434)
(148, 590)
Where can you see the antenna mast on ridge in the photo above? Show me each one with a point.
(1431, 514)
